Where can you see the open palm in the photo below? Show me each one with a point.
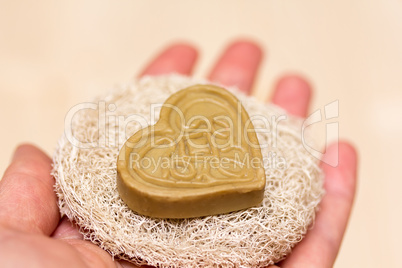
(33, 235)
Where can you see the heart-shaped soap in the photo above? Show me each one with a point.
(202, 157)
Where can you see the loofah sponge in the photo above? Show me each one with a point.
(85, 173)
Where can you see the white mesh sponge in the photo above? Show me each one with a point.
(85, 173)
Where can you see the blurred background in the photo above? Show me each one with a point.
(55, 54)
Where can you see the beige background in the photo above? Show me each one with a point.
(54, 54)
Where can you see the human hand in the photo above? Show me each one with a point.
(32, 233)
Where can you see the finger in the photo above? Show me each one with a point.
(238, 65)
(293, 93)
(177, 58)
(27, 199)
(321, 245)
(66, 230)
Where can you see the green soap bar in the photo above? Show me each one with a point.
(201, 158)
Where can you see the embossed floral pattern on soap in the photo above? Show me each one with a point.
(201, 158)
